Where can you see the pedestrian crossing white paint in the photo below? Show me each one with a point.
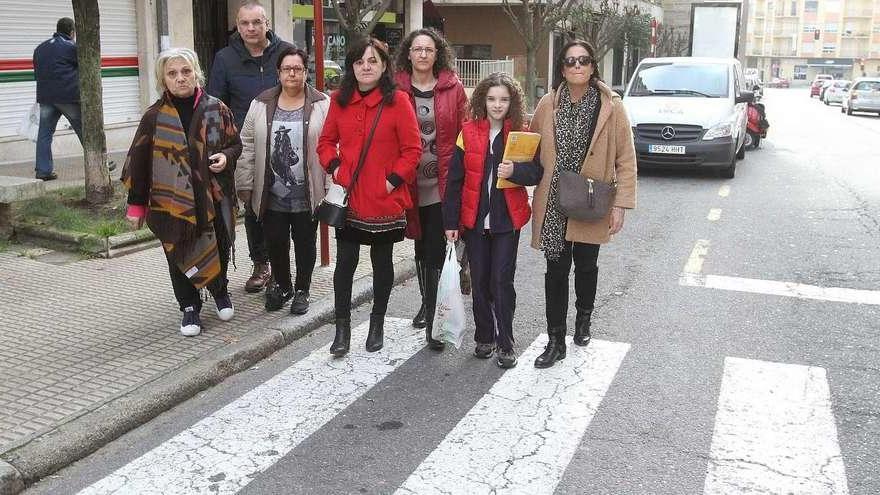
(774, 432)
(714, 215)
(724, 191)
(224, 451)
(521, 435)
(786, 289)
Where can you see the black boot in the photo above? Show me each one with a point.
(375, 336)
(343, 337)
(432, 280)
(582, 327)
(555, 350)
(419, 319)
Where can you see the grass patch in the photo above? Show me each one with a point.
(67, 210)
(4, 245)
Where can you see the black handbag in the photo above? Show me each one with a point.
(333, 209)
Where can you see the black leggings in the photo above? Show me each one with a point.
(431, 248)
(347, 257)
(184, 291)
(278, 230)
(586, 274)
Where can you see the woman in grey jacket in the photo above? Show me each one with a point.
(279, 177)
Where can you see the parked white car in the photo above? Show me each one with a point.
(835, 91)
(863, 96)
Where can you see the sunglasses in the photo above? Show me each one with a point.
(583, 60)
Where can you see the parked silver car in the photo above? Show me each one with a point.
(863, 96)
(836, 91)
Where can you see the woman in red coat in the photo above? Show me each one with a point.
(379, 198)
(426, 67)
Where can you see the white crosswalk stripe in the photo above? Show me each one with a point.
(521, 435)
(223, 452)
(774, 432)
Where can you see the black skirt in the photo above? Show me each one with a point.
(363, 237)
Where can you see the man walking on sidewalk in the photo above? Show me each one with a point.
(240, 72)
(57, 73)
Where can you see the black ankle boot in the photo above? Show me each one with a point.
(375, 336)
(419, 320)
(555, 350)
(582, 327)
(343, 337)
(432, 280)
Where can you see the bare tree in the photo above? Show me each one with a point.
(88, 35)
(534, 20)
(609, 24)
(351, 15)
(670, 43)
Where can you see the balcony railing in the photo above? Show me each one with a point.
(784, 52)
(472, 71)
(857, 13)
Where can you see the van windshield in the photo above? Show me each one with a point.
(681, 79)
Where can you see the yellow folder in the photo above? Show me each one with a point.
(520, 147)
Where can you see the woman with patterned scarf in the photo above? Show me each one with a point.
(584, 129)
(179, 175)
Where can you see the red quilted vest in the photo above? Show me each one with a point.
(475, 135)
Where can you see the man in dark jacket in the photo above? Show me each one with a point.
(240, 72)
(57, 73)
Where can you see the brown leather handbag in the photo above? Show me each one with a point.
(585, 199)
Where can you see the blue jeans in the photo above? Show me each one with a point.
(49, 115)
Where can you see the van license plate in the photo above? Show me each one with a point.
(666, 149)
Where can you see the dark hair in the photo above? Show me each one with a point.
(559, 66)
(478, 98)
(349, 83)
(288, 51)
(445, 56)
(64, 26)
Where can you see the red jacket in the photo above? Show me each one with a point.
(450, 107)
(394, 151)
(475, 141)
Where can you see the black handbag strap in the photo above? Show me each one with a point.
(362, 158)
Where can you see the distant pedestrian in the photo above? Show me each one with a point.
(379, 197)
(179, 173)
(57, 73)
(240, 72)
(490, 218)
(280, 178)
(584, 129)
(426, 73)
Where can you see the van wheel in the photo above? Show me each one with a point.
(741, 152)
(749, 140)
(729, 171)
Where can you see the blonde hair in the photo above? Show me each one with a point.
(184, 54)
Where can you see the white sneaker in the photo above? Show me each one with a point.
(225, 310)
(191, 324)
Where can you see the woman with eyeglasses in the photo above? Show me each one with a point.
(584, 129)
(426, 72)
(280, 179)
(371, 121)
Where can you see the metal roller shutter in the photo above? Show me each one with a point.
(25, 24)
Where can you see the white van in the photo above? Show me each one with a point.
(688, 112)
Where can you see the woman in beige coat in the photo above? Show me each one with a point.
(584, 128)
(280, 179)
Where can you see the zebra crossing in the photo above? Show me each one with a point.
(774, 428)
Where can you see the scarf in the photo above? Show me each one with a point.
(181, 204)
(574, 124)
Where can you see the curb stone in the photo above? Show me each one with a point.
(69, 442)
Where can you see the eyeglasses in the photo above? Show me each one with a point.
(422, 49)
(296, 69)
(583, 60)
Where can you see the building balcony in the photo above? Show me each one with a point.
(855, 34)
(787, 52)
(858, 13)
(785, 33)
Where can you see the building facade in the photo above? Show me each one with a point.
(798, 39)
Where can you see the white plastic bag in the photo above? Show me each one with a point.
(30, 124)
(449, 319)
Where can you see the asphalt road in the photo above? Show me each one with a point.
(804, 209)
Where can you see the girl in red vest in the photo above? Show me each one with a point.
(489, 218)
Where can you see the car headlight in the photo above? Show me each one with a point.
(724, 129)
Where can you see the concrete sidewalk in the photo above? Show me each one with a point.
(69, 169)
(90, 348)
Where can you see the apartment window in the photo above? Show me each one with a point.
(793, 7)
(810, 28)
(811, 6)
(831, 28)
(829, 48)
(800, 71)
(808, 47)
